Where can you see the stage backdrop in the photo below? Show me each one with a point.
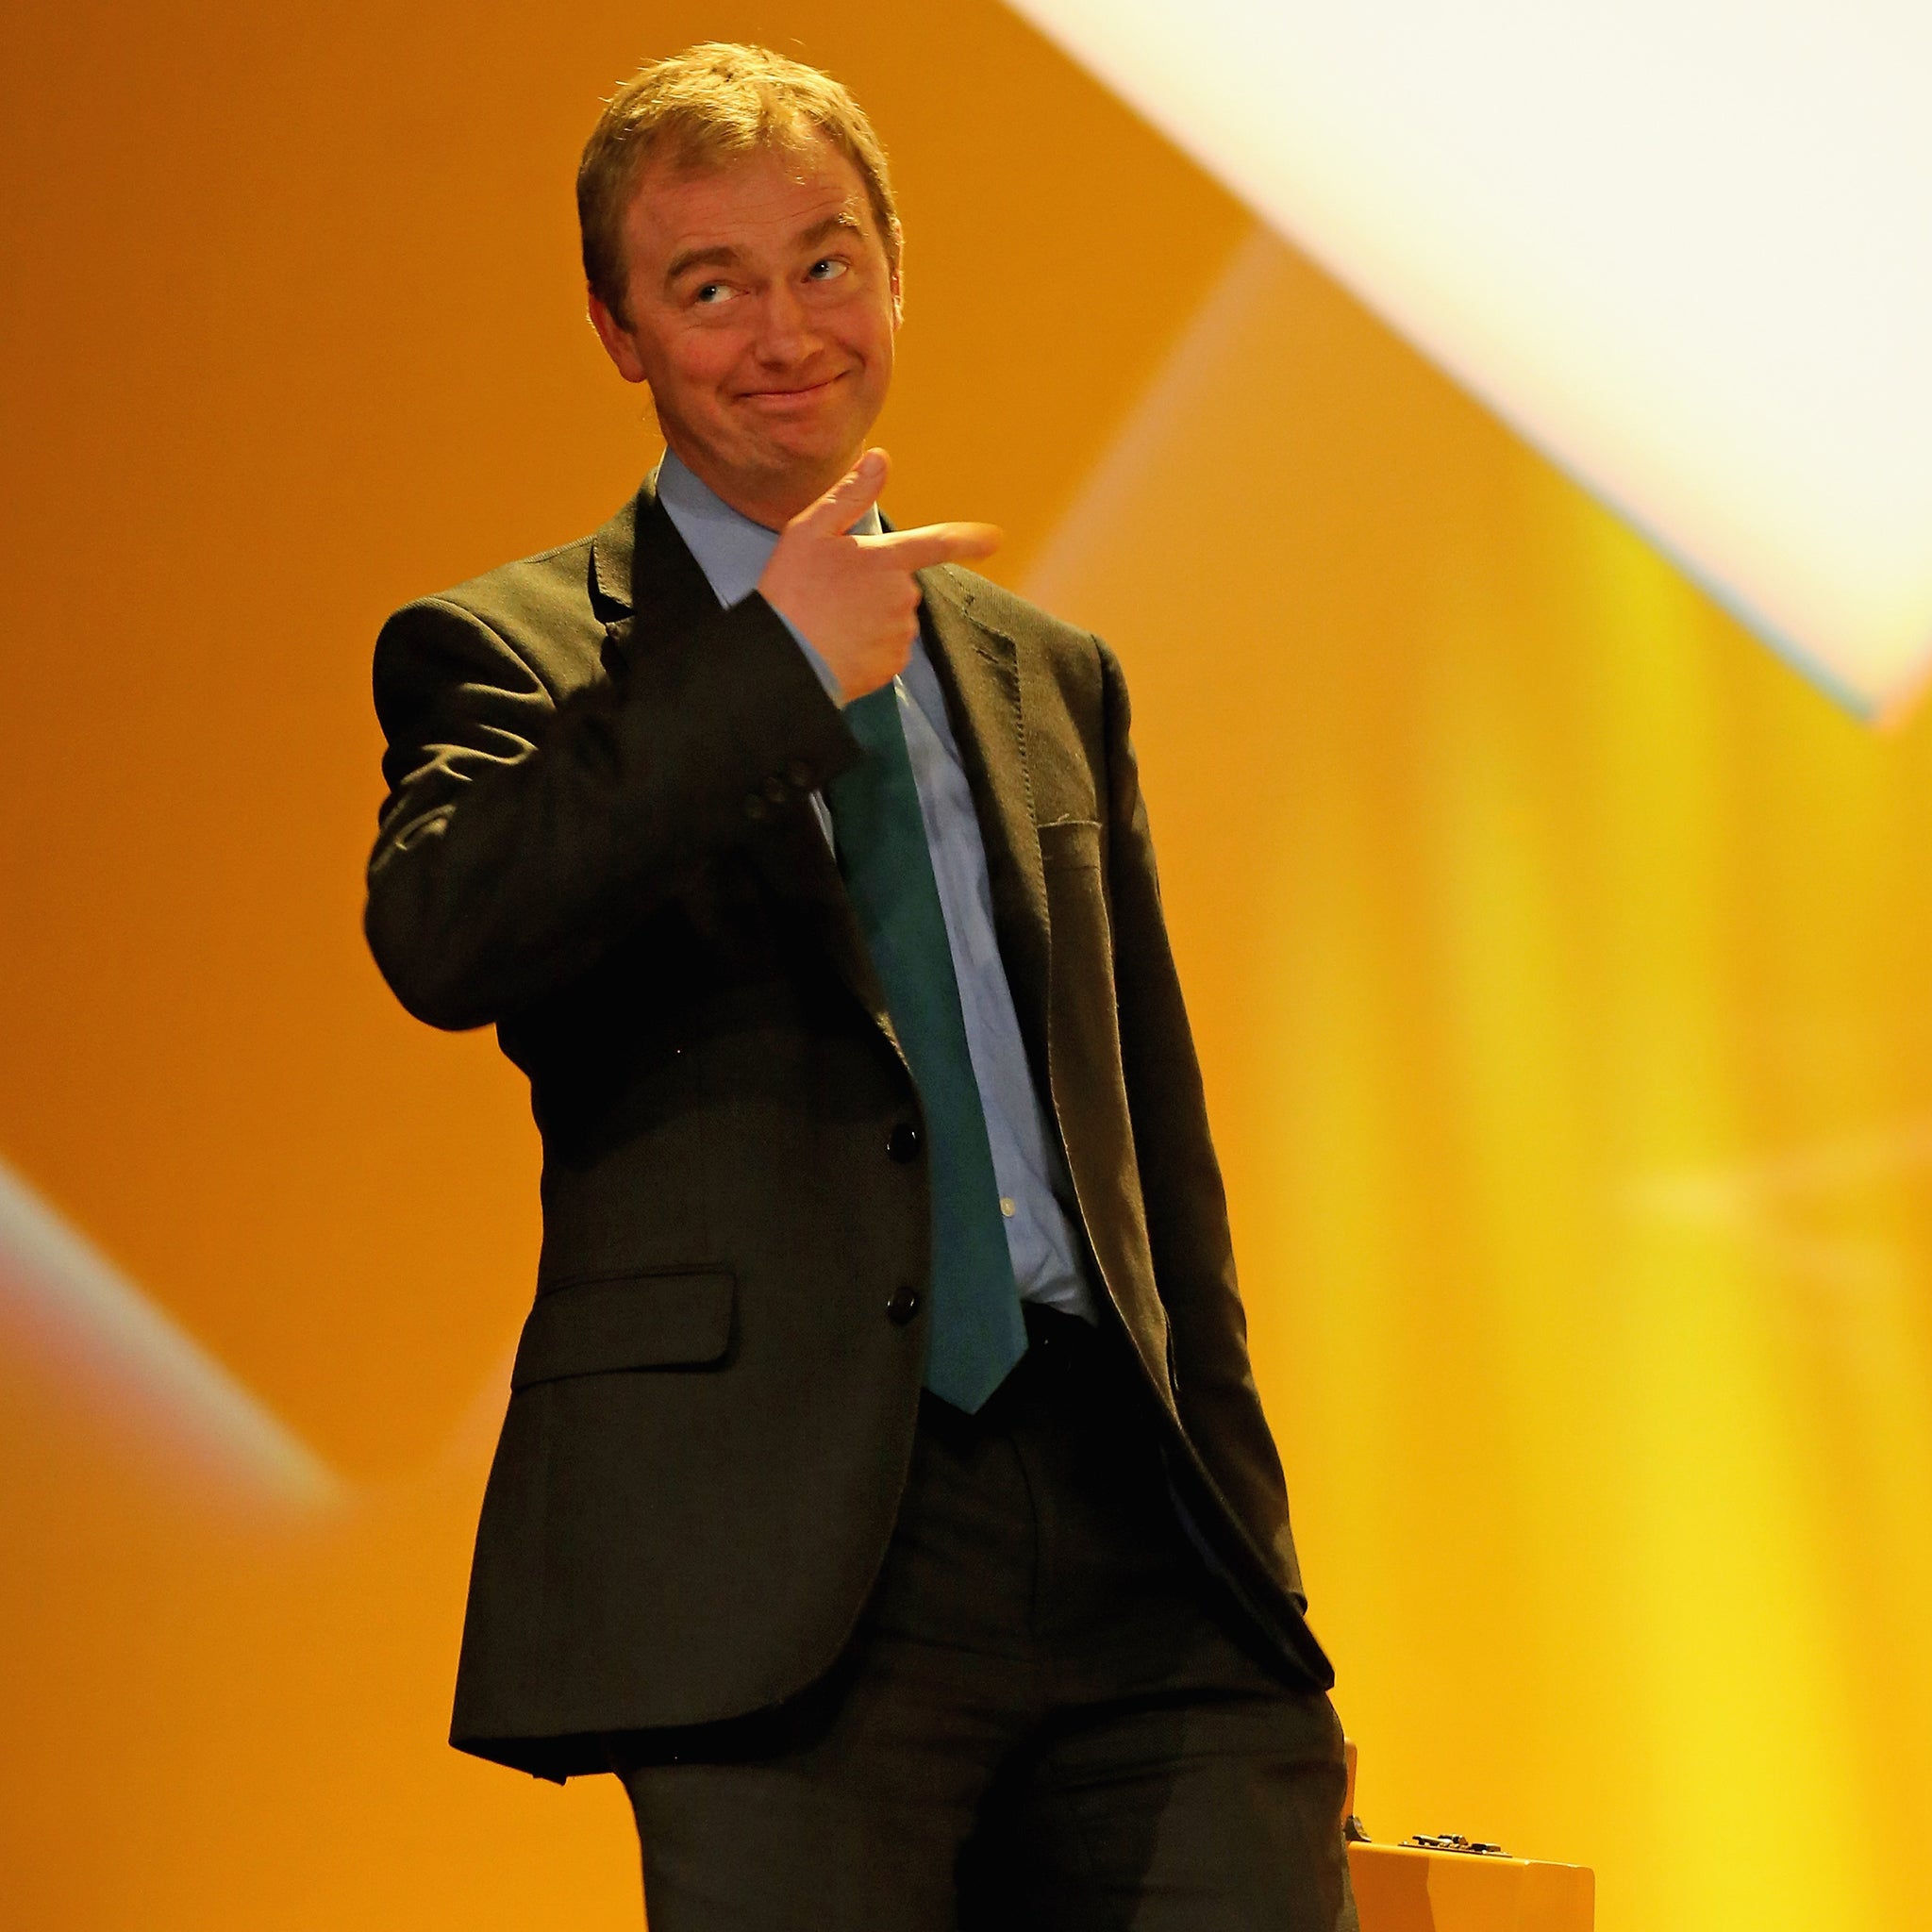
(1560, 962)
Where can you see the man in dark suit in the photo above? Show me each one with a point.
(883, 1494)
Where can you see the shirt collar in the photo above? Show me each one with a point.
(731, 550)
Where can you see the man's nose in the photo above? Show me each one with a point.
(784, 328)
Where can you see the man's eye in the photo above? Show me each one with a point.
(709, 294)
(825, 268)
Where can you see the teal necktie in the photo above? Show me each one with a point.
(975, 1335)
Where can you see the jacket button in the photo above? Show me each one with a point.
(776, 791)
(902, 1143)
(756, 808)
(801, 773)
(903, 1304)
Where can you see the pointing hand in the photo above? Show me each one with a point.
(854, 597)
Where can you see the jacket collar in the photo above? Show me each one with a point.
(613, 549)
(642, 568)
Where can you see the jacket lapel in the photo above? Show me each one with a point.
(649, 588)
(978, 670)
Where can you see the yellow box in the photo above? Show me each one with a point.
(1401, 1890)
(1411, 1888)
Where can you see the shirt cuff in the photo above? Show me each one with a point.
(812, 658)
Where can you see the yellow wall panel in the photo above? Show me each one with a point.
(1553, 953)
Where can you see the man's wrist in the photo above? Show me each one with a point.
(826, 675)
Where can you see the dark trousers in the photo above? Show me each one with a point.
(1049, 1716)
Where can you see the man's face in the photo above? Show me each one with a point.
(763, 314)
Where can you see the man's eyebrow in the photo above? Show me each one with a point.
(844, 221)
(723, 255)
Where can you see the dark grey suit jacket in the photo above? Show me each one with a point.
(598, 837)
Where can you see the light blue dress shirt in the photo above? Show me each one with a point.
(732, 551)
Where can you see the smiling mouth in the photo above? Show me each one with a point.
(804, 393)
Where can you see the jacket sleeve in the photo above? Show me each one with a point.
(1180, 1178)
(522, 837)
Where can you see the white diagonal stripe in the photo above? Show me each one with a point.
(77, 1318)
(1684, 245)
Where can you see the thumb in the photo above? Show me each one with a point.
(849, 498)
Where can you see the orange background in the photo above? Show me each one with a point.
(1558, 959)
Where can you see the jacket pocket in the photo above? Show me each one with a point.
(650, 1321)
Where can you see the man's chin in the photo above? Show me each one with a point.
(808, 463)
(768, 471)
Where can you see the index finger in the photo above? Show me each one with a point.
(938, 543)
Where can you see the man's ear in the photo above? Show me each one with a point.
(619, 344)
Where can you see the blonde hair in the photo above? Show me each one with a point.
(707, 105)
